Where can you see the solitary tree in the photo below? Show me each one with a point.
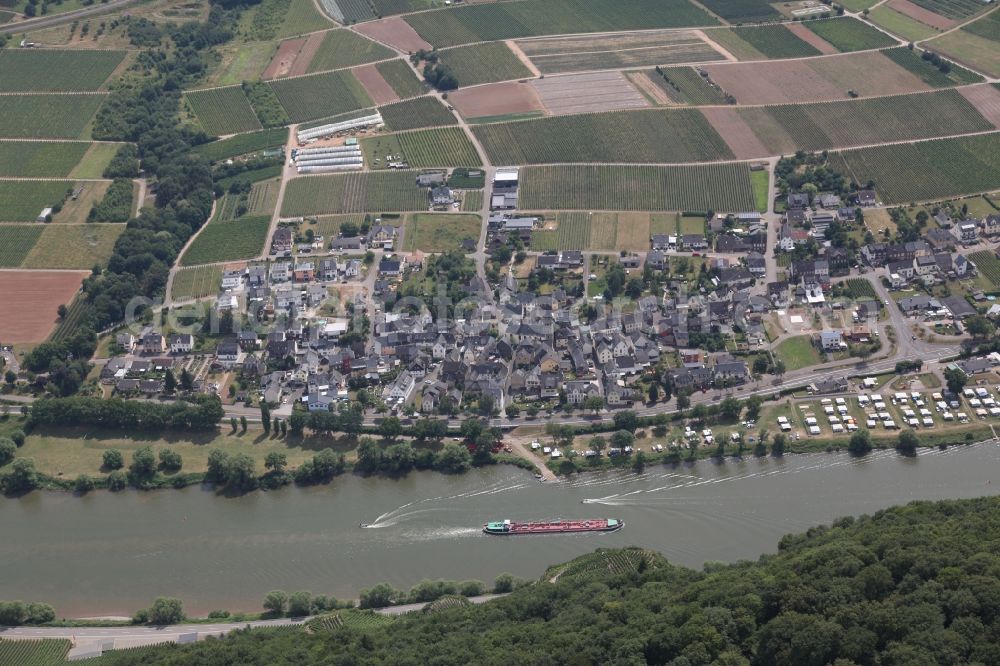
(187, 380)
(860, 443)
(169, 382)
(299, 604)
(265, 416)
(598, 444)
(113, 459)
(955, 379)
(276, 461)
(143, 463)
(274, 602)
(243, 423)
(166, 611)
(778, 446)
(908, 443)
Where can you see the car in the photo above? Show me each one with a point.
(913, 337)
(695, 254)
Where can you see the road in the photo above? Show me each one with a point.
(65, 17)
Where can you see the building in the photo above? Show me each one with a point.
(832, 341)
(281, 242)
(382, 236)
(181, 343)
(432, 179)
(442, 196)
(967, 233)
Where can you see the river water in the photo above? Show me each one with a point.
(113, 553)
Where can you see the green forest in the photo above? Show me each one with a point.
(911, 585)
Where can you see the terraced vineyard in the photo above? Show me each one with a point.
(649, 135)
(40, 159)
(400, 78)
(53, 70)
(722, 187)
(243, 144)
(223, 110)
(343, 48)
(374, 192)
(47, 116)
(320, 95)
(484, 63)
(926, 171)
(33, 653)
(849, 34)
(228, 240)
(988, 265)
(16, 242)
(415, 113)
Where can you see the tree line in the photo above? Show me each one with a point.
(197, 412)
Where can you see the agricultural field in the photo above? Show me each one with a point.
(971, 48)
(263, 197)
(343, 48)
(987, 27)
(223, 111)
(431, 232)
(51, 70)
(788, 128)
(416, 113)
(33, 653)
(320, 95)
(239, 62)
(16, 241)
(654, 135)
(35, 296)
(73, 246)
(859, 288)
(301, 17)
(588, 52)
(797, 352)
(686, 86)
(484, 63)
(376, 192)
(900, 24)
(535, 18)
(441, 147)
(926, 171)
(928, 73)
(572, 232)
(40, 159)
(586, 92)
(849, 34)
(742, 11)
(956, 10)
(761, 183)
(401, 78)
(244, 144)
(196, 282)
(722, 187)
(988, 265)
(95, 160)
(472, 201)
(23, 200)
(770, 41)
(228, 240)
(47, 116)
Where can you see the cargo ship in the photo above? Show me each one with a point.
(507, 527)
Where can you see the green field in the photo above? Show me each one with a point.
(773, 41)
(685, 85)
(742, 11)
(416, 113)
(320, 95)
(928, 170)
(722, 187)
(900, 24)
(987, 26)
(23, 200)
(648, 135)
(228, 240)
(223, 110)
(47, 116)
(196, 282)
(761, 181)
(51, 70)
(401, 78)
(301, 17)
(791, 127)
(970, 49)
(953, 9)
(797, 353)
(484, 63)
(48, 652)
(849, 34)
(77, 246)
(40, 159)
(931, 75)
(95, 160)
(572, 232)
(430, 232)
(496, 21)
(343, 48)
(16, 241)
(375, 192)
(242, 144)
(442, 147)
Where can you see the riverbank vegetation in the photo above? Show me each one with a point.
(918, 584)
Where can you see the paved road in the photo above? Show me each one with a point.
(66, 17)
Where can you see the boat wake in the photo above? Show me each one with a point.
(409, 510)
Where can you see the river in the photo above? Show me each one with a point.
(113, 553)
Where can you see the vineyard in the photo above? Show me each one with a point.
(263, 197)
(16, 242)
(723, 187)
(472, 201)
(849, 34)
(988, 265)
(590, 52)
(47, 116)
(75, 246)
(858, 288)
(228, 240)
(320, 95)
(416, 113)
(196, 282)
(684, 84)
(33, 653)
(52, 70)
(864, 121)
(39, 159)
(484, 63)
(926, 171)
(23, 200)
(572, 232)
(374, 192)
(445, 603)
(649, 135)
(740, 11)
(243, 144)
(223, 110)
(602, 562)
(928, 73)
(343, 48)
(775, 41)
(68, 325)
(441, 147)
(534, 18)
(400, 78)
(953, 9)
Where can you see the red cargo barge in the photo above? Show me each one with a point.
(508, 527)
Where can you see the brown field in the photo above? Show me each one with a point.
(737, 134)
(918, 13)
(376, 86)
(869, 74)
(586, 93)
(283, 59)
(811, 38)
(306, 55)
(28, 302)
(648, 87)
(496, 99)
(633, 231)
(986, 99)
(395, 32)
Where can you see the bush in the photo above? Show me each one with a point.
(7, 451)
(17, 437)
(117, 480)
(170, 460)
(113, 459)
(83, 484)
(166, 610)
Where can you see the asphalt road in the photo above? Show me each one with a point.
(65, 17)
